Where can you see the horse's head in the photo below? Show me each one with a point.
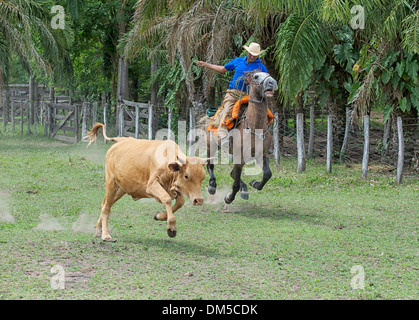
(262, 84)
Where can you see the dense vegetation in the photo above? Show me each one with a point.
(362, 54)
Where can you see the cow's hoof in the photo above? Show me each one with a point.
(211, 190)
(244, 195)
(227, 198)
(108, 239)
(171, 233)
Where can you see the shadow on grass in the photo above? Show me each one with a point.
(254, 211)
(173, 245)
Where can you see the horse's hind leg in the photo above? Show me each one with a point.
(236, 174)
(212, 148)
(267, 174)
(244, 193)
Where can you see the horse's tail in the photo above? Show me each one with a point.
(91, 136)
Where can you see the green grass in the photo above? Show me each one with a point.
(296, 239)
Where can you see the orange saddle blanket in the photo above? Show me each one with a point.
(230, 120)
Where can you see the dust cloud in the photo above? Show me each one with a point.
(5, 215)
(84, 224)
(218, 197)
(48, 223)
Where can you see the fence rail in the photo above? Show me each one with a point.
(394, 144)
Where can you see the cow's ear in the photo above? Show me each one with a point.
(174, 166)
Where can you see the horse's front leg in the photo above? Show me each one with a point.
(267, 174)
(212, 148)
(244, 193)
(236, 175)
(212, 185)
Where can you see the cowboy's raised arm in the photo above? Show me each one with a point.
(213, 67)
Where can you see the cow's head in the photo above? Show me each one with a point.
(191, 173)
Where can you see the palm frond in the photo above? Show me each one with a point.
(410, 40)
(302, 43)
(335, 11)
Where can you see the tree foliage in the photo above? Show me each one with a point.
(311, 46)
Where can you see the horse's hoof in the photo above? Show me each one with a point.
(211, 190)
(171, 233)
(254, 184)
(244, 195)
(227, 200)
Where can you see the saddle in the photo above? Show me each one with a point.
(239, 108)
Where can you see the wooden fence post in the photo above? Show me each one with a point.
(121, 120)
(51, 94)
(329, 144)
(276, 139)
(77, 111)
(6, 104)
(22, 108)
(35, 116)
(28, 120)
(366, 155)
(400, 160)
(31, 101)
(84, 120)
(137, 119)
(300, 143)
(105, 120)
(150, 121)
(49, 117)
(12, 111)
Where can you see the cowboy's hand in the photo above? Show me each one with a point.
(200, 63)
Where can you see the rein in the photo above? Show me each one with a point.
(261, 135)
(244, 117)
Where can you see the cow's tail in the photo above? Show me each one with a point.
(91, 136)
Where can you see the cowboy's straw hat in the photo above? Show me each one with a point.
(254, 49)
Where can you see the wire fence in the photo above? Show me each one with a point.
(383, 138)
(383, 142)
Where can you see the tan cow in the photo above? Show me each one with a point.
(148, 169)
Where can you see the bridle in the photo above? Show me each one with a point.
(244, 117)
(267, 75)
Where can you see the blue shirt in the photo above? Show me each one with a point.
(240, 66)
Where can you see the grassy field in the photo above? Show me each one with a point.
(298, 238)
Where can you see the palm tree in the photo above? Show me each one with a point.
(25, 29)
(307, 43)
(188, 30)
